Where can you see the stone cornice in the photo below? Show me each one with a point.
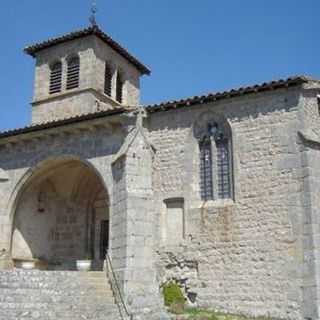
(102, 97)
(87, 122)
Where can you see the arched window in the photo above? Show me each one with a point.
(73, 73)
(108, 80)
(119, 88)
(216, 176)
(55, 78)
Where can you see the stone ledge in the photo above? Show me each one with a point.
(309, 136)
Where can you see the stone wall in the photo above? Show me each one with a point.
(249, 249)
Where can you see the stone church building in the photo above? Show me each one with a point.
(219, 193)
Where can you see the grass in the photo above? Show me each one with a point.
(201, 314)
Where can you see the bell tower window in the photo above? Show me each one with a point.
(73, 73)
(119, 88)
(55, 78)
(108, 80)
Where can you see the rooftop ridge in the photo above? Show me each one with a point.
(91, 30)
(214, 96)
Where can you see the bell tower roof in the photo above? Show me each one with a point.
(92, 30)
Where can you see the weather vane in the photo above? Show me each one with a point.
(94, 10)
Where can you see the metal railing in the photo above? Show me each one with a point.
(123, 309)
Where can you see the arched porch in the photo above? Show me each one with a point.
(61, 216)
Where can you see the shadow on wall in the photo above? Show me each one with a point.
(58, 217)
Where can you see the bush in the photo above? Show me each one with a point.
(173, 294)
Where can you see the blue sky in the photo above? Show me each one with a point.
(192, 47)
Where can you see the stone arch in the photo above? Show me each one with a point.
(67, 188)
(209, 117)
(41, 160)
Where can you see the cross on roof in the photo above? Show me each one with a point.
(94, 10)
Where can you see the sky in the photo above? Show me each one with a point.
(192, 47)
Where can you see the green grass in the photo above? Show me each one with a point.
(201, 314)
(195, 314)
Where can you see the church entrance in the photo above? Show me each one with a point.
(62, 215)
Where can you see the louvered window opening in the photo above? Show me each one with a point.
(73, 74)
(119, 89)
(223, 168)
(55, 79)
(206, 181)
(108, 81)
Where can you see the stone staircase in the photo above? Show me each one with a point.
(58, 295)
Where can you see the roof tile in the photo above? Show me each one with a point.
(93, 30)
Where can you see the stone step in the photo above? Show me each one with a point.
(62, 286)
(16, 309)
(29, 274)
(63, 295)
(61, 315)
(68, 299)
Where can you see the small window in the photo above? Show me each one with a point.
(55, 78)
(108, 80)
(73, 73)
(119, 88)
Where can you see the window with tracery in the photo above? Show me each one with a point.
(215, 162)
(223, 169)
(206, 182)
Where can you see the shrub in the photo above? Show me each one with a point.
(173, 294)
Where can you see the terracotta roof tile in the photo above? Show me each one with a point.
(266, 86)
(93, 30)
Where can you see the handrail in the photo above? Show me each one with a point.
(124, 313)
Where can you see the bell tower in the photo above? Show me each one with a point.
(83, 72)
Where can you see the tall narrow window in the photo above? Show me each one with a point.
(55, 78)
(223, 168)
(107, 80)
(216, 170)
(119, 88)
(73, 73)
(206, 182)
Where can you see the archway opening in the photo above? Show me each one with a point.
(62, 215)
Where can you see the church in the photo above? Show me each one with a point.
(219, 193)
